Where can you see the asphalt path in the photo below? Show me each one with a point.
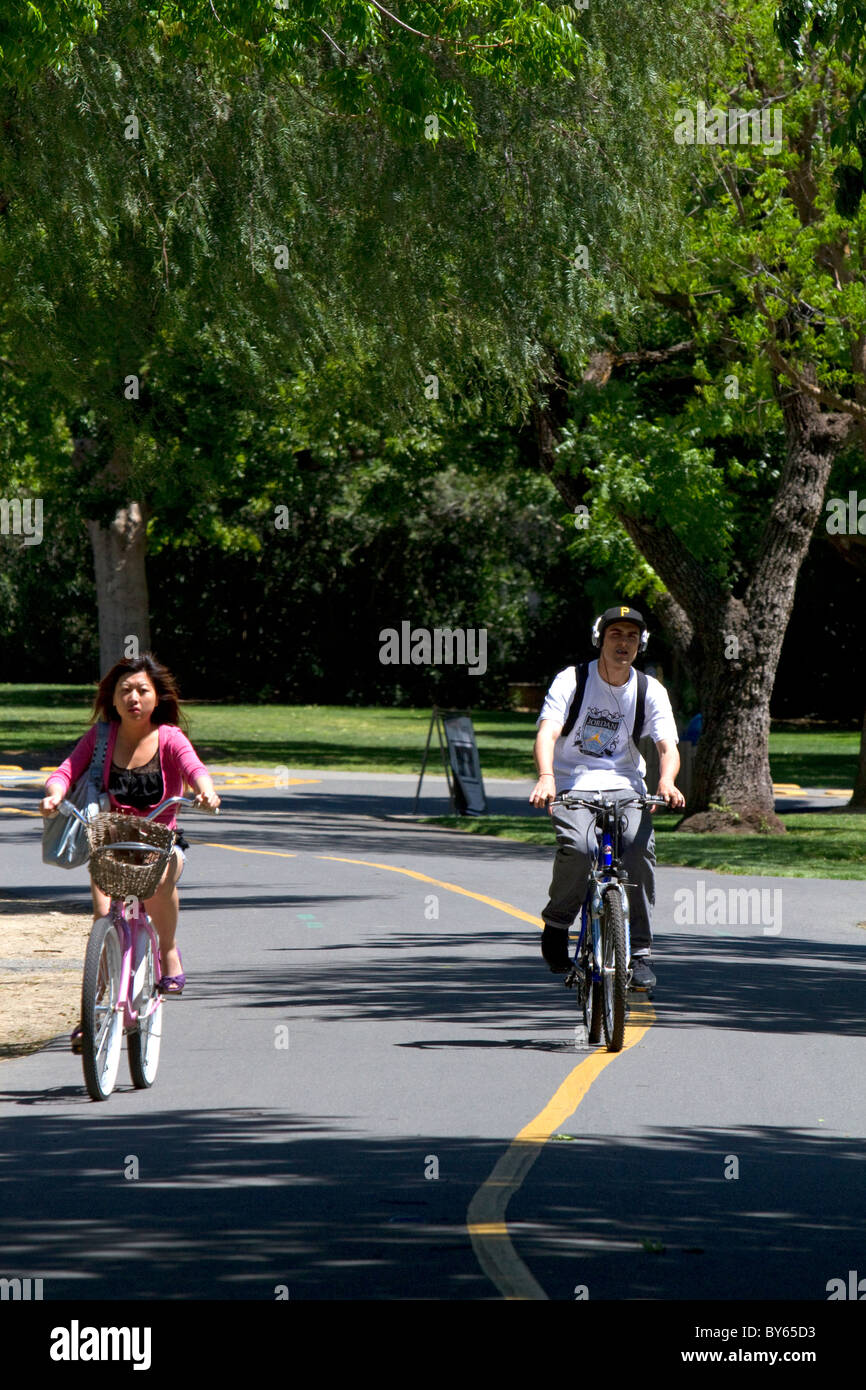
(367, 1029)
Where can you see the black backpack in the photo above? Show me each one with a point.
(574, 710)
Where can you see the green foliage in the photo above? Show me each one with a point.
(36, 36)
(808, 27)
(769, 268)
(356, 60)
(148, 200)
(327, 541)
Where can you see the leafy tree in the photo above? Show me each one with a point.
(358, 60)
(329, 540)
(809, 27)
(707, 425)
(183, 233)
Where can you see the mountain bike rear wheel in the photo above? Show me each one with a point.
(143, 1041)
(101, 1023)
(614, 981)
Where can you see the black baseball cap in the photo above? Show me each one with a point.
(621, 614)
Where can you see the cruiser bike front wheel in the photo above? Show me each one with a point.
(101, 1023)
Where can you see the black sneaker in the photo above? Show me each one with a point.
(554, 948)
(642, 977)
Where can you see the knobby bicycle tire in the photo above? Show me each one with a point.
(592, 1007)
(614, 972)
(101, 1024)
(143, 1042)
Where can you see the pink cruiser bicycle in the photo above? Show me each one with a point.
(120, 987)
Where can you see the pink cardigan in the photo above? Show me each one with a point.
(177, 759)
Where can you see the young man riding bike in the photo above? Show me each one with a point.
(587, 743)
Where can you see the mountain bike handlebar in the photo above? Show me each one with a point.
(571, 802)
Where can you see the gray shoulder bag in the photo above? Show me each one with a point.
(64, 839)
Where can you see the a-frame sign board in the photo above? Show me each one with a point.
(460, 759)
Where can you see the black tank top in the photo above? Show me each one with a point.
(141, 787)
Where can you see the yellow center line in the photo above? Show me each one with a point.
(440, 883)
(253, 781)
(485, 1219)
(242, 849)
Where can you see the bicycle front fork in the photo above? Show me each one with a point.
(595, 920)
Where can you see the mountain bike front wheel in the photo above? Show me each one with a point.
(614, 979)
(592, 1006)
(144, 1040)
(101, 1023)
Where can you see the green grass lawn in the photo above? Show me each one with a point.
(43, 722)
(40, 723)
(826, 844)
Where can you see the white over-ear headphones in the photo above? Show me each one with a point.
(596, 635)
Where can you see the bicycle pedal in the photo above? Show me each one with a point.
(571, 978)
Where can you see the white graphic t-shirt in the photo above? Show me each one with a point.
(599, 754)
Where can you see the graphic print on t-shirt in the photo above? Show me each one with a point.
(600, 733)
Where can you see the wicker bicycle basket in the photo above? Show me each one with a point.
(120, 872)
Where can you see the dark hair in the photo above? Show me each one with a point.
(167, 709)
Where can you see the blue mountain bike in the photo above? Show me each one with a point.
(600, 973)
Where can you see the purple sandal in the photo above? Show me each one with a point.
(173, 984)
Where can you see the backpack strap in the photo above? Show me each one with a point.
(582, 671)
(639, 707)
(98, 760)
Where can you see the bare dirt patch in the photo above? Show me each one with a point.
(41, 960)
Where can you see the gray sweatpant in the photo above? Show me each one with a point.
(576, 841)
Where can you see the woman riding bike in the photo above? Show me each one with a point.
(147, 758)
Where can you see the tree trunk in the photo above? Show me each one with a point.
(858, 795)
(121, 585)
(732, 788)
(853, 550)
